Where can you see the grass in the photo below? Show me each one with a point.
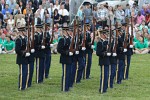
(136, 88)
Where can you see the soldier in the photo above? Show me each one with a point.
(48, 46)
(121, 54)
(22, 58)
(65, 59)
(80, 65)
(104, 62)
(88, 53)
(39, 53)
(113, 59)
(32, 54)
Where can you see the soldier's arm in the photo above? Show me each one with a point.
(60, 47)
(18, 48)
(99, 50)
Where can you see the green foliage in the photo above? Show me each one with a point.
(136, 88)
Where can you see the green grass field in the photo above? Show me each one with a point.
(136, 88)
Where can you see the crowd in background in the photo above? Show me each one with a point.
(13, 15)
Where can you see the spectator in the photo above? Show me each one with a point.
(9, 46)
(56, 17)
(64, 14)
(102, 15)
(118, 15)
(139, 18)
(6, 9)
(12, 4)
(2, 43)
(17, 10)
(141, 46)
(56, 6)
(80, 13)
(143, 26)
(127, 11)
(111, 15)
(21, 21)
(33, 6)
(67, 5)
(2, 5)
(144, 10)
(40, 12)
(11, 21)
(147, 17)
(22, 7)
(131, 2)
(87, 13)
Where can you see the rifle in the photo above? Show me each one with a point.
(32, 42)
(84, 37)
(125, 43)
(71, 49)
(28, 33)
(94, 22)
(115, 41)
(51, 41)
(77, 42)
(110, 36)
(45, 30)
(131, 37)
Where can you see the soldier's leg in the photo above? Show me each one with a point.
(113, 74)
(89, 63)
(41, 70)
(31, 70)
(22, 76)
(128, 66)
(47, 64)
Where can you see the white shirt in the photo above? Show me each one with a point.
(11, 22)
(56, 7)
(131, 2)
(41, 13)
(63, 12)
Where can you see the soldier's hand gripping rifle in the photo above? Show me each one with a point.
(45, 31)
(71, 49)
(32, 37)
(131, 37)
(52, 36)
(94, 27)
(109, 40)
(28, 39)
(115, 41)
(84, 34)
(77, 38)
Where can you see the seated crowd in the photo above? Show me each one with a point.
(13, 15)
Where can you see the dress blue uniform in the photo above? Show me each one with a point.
(66, 61)
(47, 61)
(121, 58)
(88, 56)
(128, 55)
(22, 60)
(40, 55)
(104, 64)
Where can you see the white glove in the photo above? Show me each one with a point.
(83, 48)
(27, 54)
(125, 50)
(51, 45)
(131, 46)
(70, 54)
(32, 50)
(43, 47)
(77, 52)
(114, 54)
(92, 46)
(108, 54)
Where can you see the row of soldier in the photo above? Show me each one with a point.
(75, 48)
